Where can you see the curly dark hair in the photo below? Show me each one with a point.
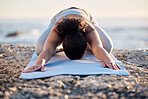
(72, 31)
(71, 25)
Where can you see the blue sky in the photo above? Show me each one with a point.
(15, 9)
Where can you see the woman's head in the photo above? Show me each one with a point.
(74, 43)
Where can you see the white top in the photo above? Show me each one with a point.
(72, 11)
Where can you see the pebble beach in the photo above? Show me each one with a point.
(14, 58)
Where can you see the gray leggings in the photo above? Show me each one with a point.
(106, 40)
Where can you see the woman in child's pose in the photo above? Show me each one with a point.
(77, 31)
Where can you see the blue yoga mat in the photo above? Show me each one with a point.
(59, 64)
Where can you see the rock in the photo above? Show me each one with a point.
(131, 95)
(123, 97)
(14, 89)
(1, 93)
(55, 84)
(2, 55)
(101, 95)
(61, 83)
(77, 77)
(146, 58)
(2, 60)
(17, 33)
(7, 93)
(113, 95)
(66, 96)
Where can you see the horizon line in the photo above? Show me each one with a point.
(94, 17)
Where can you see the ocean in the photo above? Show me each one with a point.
(126, 33)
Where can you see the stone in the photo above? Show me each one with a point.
(2, 61)
(61, 83)
(17, 33)
(66, 96)
(7, 93)
(55, 84)
(101, 95)
(1, 93)
(14, 89)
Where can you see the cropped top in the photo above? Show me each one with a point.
(72, 11)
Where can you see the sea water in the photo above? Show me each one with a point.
(126, 33)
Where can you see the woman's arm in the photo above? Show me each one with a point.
(105, 38)
(53, 40)
(96, 45)
(49, 48)
(94, 40)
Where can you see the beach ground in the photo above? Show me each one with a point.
(14, 58)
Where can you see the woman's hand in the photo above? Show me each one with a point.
(36, 67)
(111, 65)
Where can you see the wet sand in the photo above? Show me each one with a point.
(14, 58)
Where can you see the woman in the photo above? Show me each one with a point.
(77, 31)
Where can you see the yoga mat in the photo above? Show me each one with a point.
(59, 64)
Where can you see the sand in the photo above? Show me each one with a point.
(14, 58)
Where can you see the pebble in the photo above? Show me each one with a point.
(101, 95)
(1, 93)
(2, 61)
(7, 93)
(66, 96)
(55, 84)
(61, 83)
(14, 89)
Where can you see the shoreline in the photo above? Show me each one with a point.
(14, 58)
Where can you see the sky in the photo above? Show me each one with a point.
(20, 9)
